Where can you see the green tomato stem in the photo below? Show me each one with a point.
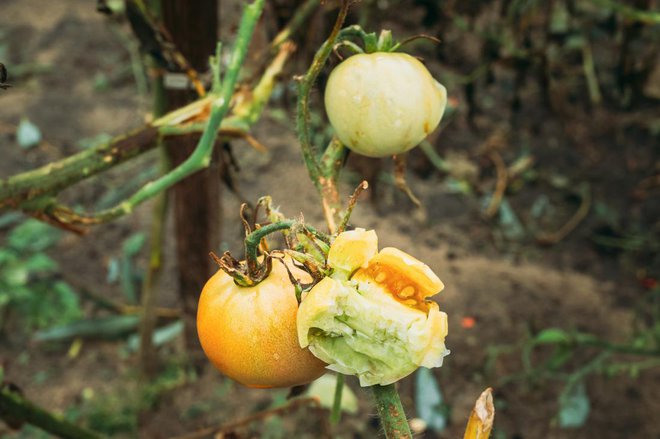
(309, 150)
(392, 417)
(255, 270)
(335, 415)
(253, 240)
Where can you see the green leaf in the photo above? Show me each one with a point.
(40, 263)
(27, 134)
(429, 401)
(133, 245)
(15, 275)
(561, 355)
(32, 236)
(107, 328)
(552, 336)
(129, 277)
(113, 271)
(574, 406)
(68, 303)
(7, 256)
(101, 82)
(160, 336)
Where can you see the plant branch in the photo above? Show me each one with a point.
(390, 411)
(201, 156)
(50, 179)
(16, 410)
(310, 152)
(150, 293)
(54, 177)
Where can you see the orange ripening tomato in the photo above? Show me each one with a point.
(249, 333)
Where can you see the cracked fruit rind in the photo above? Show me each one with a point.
(352, 250)
(377, 325)
(249, 333)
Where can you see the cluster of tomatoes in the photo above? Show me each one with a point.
(379, 104)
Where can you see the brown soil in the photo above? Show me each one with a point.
(511, 289)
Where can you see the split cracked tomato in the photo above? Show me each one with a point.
(383, 103)
(372, 316)
(249, 333)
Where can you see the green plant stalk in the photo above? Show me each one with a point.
(201, 156)
(324, 177)
(253, 240)
(332, 158)
(149, 296)
(589, 68)
(17, 410)
(310, 152)
(335, 414)
(323, 174)
(621, 349)
(56, 176)
(392, 417)
(433, 156)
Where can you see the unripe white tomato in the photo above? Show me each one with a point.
(381, 104)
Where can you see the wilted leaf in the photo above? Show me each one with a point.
(27, 134)
(574, 406)
(324, 389)
(429, 401)
(481, 419)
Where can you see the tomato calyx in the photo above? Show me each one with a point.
(383, 42)
(307, 247)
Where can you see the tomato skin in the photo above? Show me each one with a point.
(249, 333)
(382, 104)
